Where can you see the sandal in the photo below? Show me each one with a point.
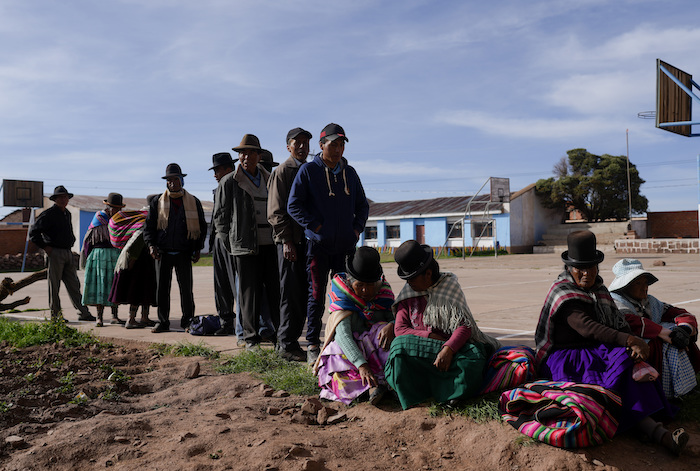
(678, 440)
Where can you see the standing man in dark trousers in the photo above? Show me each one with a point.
(53, 232)
(328, 201)
(224, 269)
(175, 234)
(291, 248)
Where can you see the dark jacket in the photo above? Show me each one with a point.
(284, 228)
(234, 213)
(174, 237)
(53, 228)
(337, 202)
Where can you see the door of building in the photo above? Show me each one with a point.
(420, 234)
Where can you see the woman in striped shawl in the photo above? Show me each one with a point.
(439, 351)
(582, 337)
(358, 333)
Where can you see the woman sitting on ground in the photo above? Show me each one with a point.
(438, 351)
(359, 331)
(670, 331)
(582, 337)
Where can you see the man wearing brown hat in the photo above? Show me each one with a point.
(175, 232)
(53, 232)
(291, 248)
(224, 269)
(328, 201)
(240, 212)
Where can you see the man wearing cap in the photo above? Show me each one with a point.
(53, 232)
(224, 269)
(175, 232)
(328, 201)
(291, 248)
(240, 212)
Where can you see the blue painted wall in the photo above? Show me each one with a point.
(435, 231)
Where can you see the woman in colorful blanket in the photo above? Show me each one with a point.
(358, 333)
(135, 276)
(99, 257)
(671, 332)
(438, 351)
(582, 337)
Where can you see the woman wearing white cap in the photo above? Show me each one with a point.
(671, 332)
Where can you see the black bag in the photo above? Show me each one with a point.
(204, 325)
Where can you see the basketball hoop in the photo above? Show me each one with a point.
(646, 115)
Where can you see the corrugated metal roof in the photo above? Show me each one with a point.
(446, 205)
(95, 203)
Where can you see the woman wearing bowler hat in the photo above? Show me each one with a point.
(582, 337)
(359, 331)
(99, 258)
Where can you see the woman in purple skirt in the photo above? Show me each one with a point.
(582, 337)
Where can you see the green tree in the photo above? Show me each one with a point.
(596, 185)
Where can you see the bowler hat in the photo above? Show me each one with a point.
(364, 265)
(59, 191)
(582, 250)
(413, 259)
(222, 158)
(332, 132)
(249, 141)
(294, 133)
(173, 170)
(115, 200)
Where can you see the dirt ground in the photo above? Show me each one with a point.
(142, 410)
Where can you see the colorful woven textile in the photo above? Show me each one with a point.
(98, 219)
(561, 414)
(123, 225)
(343, 298)
(509, 367)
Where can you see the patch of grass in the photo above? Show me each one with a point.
(206, 260)
(66, 381)
(111, 394)
(30, 377)
(295, 378)
(480, 409)
(4, 407)
(26, 334)
(524, 440)
(118, 377)
(186, 349)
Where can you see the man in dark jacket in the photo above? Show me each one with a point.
(53, 232)
(291, 248)
(175, 234)
(328, 201)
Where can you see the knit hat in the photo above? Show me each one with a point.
(626, 271)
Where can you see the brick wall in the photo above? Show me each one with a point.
(12, 241)
(671, 224)
(657, 246)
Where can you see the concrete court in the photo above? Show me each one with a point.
(505, 295)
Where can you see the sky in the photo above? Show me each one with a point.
(435, 96)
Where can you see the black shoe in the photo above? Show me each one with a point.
(160, 328)
(312, 354)
(293, 355)
(252, 346)
(86, 317)
(224, 331)
(185, 322)
(377, 394)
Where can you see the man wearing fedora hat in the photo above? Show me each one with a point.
(175, 232)
(53, 232)
(291, 248)
(240, 216)
(224, 267)
(439, 351)
(327, 200)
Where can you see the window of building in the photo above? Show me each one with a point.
(455, 230)
(393, 232)
(371, 232)
(482, 229)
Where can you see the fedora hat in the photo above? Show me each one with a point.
(364, 265)
(413, 259)
(582, 250)
(114, 200)
(266, 160)
(60, 190)
(173, 170)
(222, 158)
(626, 271)
(249, 141)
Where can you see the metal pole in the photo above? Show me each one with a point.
(629, 180)
(26, 242)
(698, 192)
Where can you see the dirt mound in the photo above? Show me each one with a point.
(126, 407)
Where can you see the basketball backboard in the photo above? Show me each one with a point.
(23, 194)
(674, 98)
(500, 190)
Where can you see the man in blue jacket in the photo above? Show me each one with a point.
(328, 201)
